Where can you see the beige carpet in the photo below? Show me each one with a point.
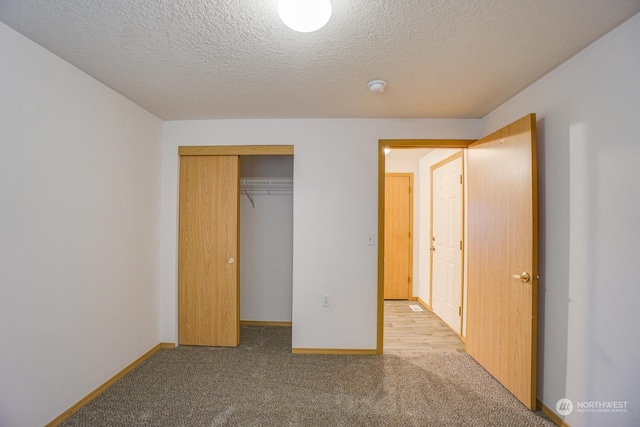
(261, 383)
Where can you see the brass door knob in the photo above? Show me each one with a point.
(525, 277)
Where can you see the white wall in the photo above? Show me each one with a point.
(334, 210)
(587, 112)
(266, 257)
(79, 252)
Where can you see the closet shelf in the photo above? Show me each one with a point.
(266, 185)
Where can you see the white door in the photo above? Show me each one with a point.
(446, 241)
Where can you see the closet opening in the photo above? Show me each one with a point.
(235, 243)
(266, 240)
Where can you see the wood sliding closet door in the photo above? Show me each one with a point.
(503, 256)
(208, 251)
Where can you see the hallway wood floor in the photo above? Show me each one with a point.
(408, 332)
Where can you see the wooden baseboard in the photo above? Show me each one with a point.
(414, 299)
(340, 351)
(95, 393)
(424, 304)
(552, 415)
(263, 323)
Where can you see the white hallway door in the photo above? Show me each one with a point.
(446, 241)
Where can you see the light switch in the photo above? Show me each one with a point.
(371, 239)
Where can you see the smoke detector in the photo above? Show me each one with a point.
(377, 86)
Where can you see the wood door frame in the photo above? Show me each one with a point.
(411, 207)
(235, 150)
(226, 150)
(434, 166)
(398, 144)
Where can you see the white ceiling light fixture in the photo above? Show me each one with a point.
(377, 86)
(304, 16)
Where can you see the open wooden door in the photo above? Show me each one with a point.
(208, 251)
(502, 256)
(398, 249)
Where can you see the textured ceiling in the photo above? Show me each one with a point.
(197, 59)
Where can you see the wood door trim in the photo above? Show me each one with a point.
(445, 161)
(431, 169)
(235, 150)
(411, 206)
(426, 143)
(268, 323)
(398, 143)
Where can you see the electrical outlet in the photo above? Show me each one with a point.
(371, 240)
(325, 300)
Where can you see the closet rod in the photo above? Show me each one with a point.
(250, 199)
(266, 185)
(266, 182)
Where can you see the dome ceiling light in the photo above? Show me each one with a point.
(304, 16)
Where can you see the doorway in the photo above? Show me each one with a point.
(266, 240)
(420, 162)
(502, 248)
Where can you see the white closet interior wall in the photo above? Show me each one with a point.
(266, 239)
